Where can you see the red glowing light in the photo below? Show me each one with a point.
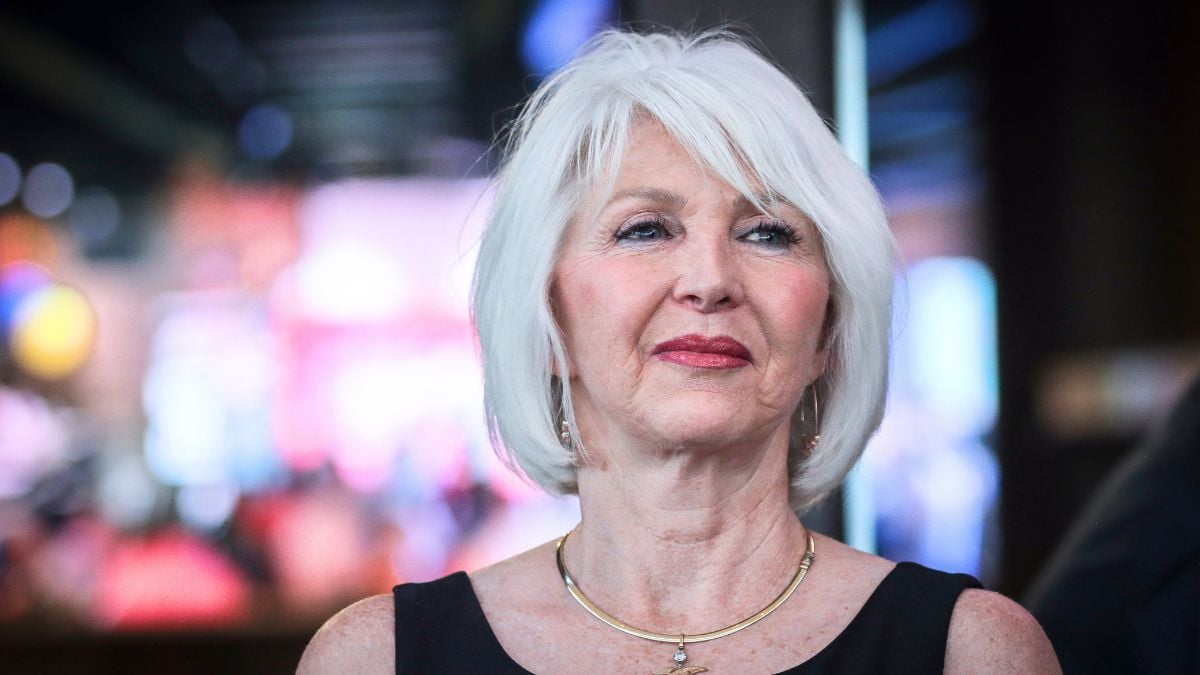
(170, 580)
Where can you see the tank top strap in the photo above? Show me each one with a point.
(440, 627)
(902, 628)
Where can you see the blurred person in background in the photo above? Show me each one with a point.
(1122, 594)
(683, 300)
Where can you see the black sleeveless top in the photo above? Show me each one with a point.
(902, 628)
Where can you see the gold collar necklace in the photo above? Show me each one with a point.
(681, 640)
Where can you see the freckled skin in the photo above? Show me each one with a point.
(702, 271)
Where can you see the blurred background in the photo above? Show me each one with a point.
(238, 383)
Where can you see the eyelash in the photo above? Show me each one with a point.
(627, 232)
(773, 227)
(789, 234)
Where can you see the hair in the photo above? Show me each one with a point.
(748, 123)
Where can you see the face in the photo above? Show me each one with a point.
(691, 318)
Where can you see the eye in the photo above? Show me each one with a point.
(643, 231)
(775, 234)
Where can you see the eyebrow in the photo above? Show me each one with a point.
(650, 194)
(677, 200)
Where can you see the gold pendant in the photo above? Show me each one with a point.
(679, 668)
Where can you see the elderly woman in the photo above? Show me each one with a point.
(683, 300)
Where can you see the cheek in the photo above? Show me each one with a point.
(797, 310)
(573, 293)
(601, 305)
(580, 301)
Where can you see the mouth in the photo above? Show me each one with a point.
(699, 351)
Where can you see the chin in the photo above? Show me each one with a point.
(699, 419)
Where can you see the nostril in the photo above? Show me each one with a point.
(710, 302)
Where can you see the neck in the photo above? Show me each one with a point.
(686, 542)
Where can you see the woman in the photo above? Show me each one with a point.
(683, 300)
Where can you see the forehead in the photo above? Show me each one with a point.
(655, 167)
(649, 148)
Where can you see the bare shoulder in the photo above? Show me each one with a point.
(360, 638)
(852, 565)
(517, 581)
(991, 633)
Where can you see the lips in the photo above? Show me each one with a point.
(700, 351)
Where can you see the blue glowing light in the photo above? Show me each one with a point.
(949, 353)
(933, 479)
(48, 190)
(917, 36)
(10, 178)
(207, 394)
(265, 132)
(558, 28)
(17, 281)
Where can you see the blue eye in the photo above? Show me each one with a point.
(646, 230)
(773, 234)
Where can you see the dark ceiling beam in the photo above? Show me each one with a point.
(68, 80)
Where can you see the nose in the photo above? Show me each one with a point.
(709, 279)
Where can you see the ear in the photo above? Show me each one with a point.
(821, 355)
(827, 325)
(563, 368)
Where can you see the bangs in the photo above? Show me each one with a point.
(702, 135)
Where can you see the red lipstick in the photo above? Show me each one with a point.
(699, 351)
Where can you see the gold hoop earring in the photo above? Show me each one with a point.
(812, 441)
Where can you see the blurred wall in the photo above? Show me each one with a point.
(1094, 236)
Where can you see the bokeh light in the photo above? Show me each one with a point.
(265, 132)
(24, 238)
(205, 395)
(33, 441)
(949, 355)
(170, 579)
(351, 281)
(932, 476)
(54, 329)
(10, 178)
(18, 281)
(126, 493)
(95, 215)
(48, 190)
(558, 28)
(206, 507)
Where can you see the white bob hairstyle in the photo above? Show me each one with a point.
(750, 125)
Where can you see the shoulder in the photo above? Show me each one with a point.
(518, 581)
(842, 567)
(360, 638)
(835, 553)
(991, 633)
